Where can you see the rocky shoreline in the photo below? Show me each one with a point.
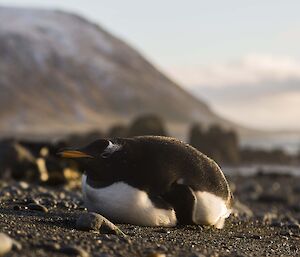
(41, 221)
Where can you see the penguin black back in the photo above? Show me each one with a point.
(163, 161)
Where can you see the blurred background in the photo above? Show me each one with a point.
(222, 76)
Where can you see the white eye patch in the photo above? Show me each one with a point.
(111, 148)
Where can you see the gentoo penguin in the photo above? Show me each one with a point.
(152, 181)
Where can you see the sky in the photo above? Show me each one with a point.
(226, 52)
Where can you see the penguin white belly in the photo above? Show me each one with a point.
(126, 204)
(210, 209)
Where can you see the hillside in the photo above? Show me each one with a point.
(61, 73)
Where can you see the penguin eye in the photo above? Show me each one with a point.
(105, 155)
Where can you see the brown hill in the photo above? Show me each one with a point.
(61, 73)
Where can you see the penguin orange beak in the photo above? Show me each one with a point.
(74, 154)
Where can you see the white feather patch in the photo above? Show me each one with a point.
(126, 204)
(112, 147)
(210, 209)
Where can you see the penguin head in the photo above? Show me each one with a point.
(92, 157)
(93, 150)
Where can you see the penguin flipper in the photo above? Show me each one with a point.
(183, 200)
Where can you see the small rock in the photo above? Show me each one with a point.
(62, 195)
(37, 207)
(6, 244)
(23, 185)
(94, 221)
(74, 250)
(89, 221)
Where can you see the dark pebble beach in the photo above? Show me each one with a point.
(40, 220)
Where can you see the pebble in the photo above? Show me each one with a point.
(37, 207)
(6, 244)
(94, 221)
(62, 195)
(74, 250)
(23, 185)
(89, 221)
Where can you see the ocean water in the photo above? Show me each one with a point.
(251, 169)
(288, 142)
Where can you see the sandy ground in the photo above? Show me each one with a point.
(265, 223)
